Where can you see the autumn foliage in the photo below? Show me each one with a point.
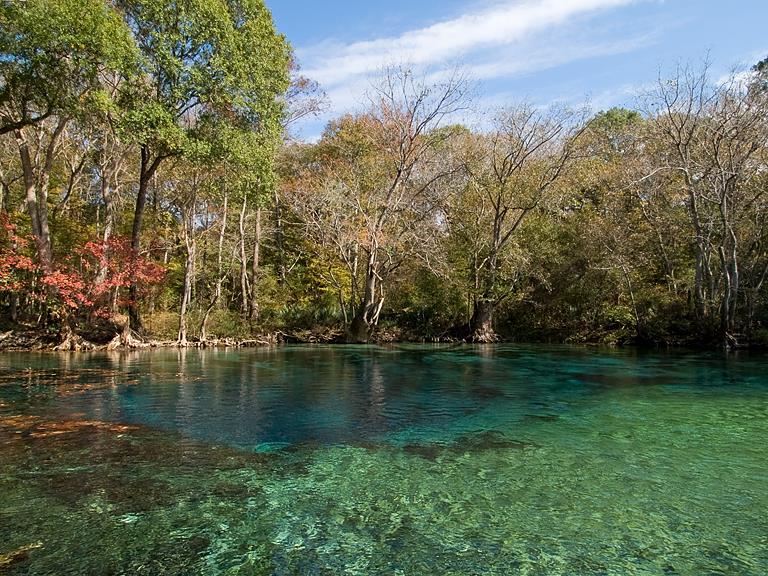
(15, 267)
(90, 281)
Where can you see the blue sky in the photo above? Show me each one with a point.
(601, 51)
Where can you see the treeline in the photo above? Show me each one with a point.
(149, 188)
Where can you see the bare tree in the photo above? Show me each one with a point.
(304, 98)
(512, 171)
(711, 138)
(372, 189)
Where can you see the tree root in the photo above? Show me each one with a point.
(70, 341)
(73, 342)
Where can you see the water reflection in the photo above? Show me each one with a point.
(347, 394)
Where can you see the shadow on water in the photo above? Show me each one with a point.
(468, 443)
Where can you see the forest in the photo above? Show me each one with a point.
(152, 190)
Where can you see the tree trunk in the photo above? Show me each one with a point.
(367, 315)
(701, 270)
(146, 171)
(219, 276)
(635, 309)
(255, 271)
(281, 268)
(481, 323)
(189, 274)
(14, 307)
(36, 206)
(729, 261)
(358, 332)
(109, 225)
(5, 198)
(243, 262)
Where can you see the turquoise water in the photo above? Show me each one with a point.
(365, 460)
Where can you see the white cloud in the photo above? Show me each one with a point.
(736, 78)
(510, 38)
(332, 63)
(553, 55)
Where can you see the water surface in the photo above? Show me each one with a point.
(365, 460)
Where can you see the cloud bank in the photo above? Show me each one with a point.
(503, 40)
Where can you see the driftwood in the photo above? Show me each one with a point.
(19, 555)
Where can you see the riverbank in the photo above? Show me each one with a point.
(21, 337)
(28, 341)
(110, 336)
(38, 340)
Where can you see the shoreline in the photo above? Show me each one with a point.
(30, 342)
(38, 341)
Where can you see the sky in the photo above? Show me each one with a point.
(599, 52)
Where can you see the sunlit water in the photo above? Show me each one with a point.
(361, 460)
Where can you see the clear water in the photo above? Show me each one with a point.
(363, 460)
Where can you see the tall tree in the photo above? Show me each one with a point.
(215, 61)
(513, 170)
(370, 196)
(710, 145)
(53, 57)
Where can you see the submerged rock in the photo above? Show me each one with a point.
(19, 555)
(37, 427)
(427, 451)
(473, 443)
(487, 392)
(488, 440)
(546, 417)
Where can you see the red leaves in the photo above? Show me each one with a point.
(85, 280)
(99, 269)
(14, 266)
(68, 287)
(114, 265)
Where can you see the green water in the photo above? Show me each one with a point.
(408, 460)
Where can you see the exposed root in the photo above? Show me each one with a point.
(126, 339)
(73, 342)
(115, 344)
(484, 336)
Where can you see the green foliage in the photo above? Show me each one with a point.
(426, 306)
(218, 61)
(52, 53)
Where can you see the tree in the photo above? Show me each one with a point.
(53, 57)
(710, 146)
(209, 62)
(513, 170)
(367, 190)
(52, 54)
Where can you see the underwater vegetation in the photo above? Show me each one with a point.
(350, 460)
